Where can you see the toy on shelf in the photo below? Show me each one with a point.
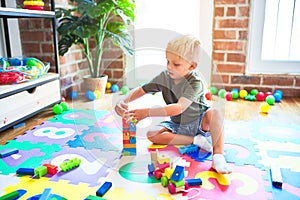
(34, 4)
(125, 90)
(73, 95)
(264, 107)
(129, 137)
(15, 70)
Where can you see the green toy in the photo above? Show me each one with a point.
(70, 164)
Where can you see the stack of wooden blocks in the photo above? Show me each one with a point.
(129, 138)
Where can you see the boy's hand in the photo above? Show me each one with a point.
(139, 114)
(121, 108)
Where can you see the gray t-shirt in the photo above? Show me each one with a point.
(191, 88)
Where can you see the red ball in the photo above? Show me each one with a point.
(63, 99)
(267, 94)
(260, 96)
(228, 96)
(208, 96)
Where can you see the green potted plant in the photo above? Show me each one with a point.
(95, 21)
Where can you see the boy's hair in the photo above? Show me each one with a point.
(187, 47)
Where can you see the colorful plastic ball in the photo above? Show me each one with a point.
(125, 90)
(264, 107)
(64, 105)
(243, 93)
(254, 92)
(208, 96)
(213, 90)
(57, 109)
(235, 94)
(279, 91)
(270, 100)
(108, 85)
(234, 89)
(267, 94)
(277, 97)
(114, 88)
(90, 95)
(260, 96)
(98, 94)
(221, 93)
(73, 95)
(228, 96)
(63, 99)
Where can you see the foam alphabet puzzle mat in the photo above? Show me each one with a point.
(95, 137)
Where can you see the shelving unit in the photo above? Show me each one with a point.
(21, 101)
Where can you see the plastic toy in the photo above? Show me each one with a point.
(208, 96)
(98, 94)
(254, 92)
(8, 152)
(228, 96)
(25, 171)
(213, 90)
(270, 100)
(64, 105)
(103, 189)
(91, 197)
(243, 93)
(235, 94)
(70, 164)
(267, 94)
(114, 88)
(129, 137)
(40, 171)
(125, 90)
(264, 107)
(277, 96)
(57, 109)
(73, 95)
(90, 95)
(46, 194)
(250, 97)
(52, 169)
(260, 96)
(108, 85)
(221, 93)
(12, 195)
(33, 5)
(188, 149)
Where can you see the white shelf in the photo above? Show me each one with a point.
(15, 12)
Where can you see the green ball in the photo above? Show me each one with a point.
(213, 90)
(254, 92)
(57, 109)
(65, 106)
(270, 99)
(235, 94)
(125, 90)
(221, 93)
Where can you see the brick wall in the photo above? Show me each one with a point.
(230, 43)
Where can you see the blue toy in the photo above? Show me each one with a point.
(25, 171)
(8, 152)
(188, 149)
(90, 95)
(114, 88)
(103, 189)
(277, 96)
(73, 95)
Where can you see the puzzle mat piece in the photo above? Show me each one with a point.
(62, 188)
(245, 182)
(276, 132)
(81, 117)
(267, 149)
(52, 133)
(238, 129)
(94, 165)
(29, 155)
(102, 138)
(7, 180)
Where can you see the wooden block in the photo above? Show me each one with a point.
(276, 176)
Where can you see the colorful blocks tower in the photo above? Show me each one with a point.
(129, 138)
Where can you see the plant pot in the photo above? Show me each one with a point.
(95, 83)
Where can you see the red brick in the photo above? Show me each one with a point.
(218, 56)
(236, 57)
(31, 48)
(237, 46)
(220, 78)
(243, 35)
(230, 2)
(253, 80)
(231, 68)
(221, 34)
(233, 23)
(112, 54)
(230, 11)
(297, 81)
(117, 74)
(114, 64)
(244, 11)
(47, 48)
(283, 81)
(219, 12)
(30, 36)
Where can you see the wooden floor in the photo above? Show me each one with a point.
(287, 111)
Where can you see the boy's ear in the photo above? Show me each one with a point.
(193, 65)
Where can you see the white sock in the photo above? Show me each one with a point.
(220, 164)
(202, 142)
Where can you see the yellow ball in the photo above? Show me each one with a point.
(97, 94)
(108, 85)
(264, 107)
(243, 93)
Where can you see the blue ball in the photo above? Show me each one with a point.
(90, 95)
(279, 91)
(73, 95)
(277, 96)
(114, 88)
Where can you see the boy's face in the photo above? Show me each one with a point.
(177, 67)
